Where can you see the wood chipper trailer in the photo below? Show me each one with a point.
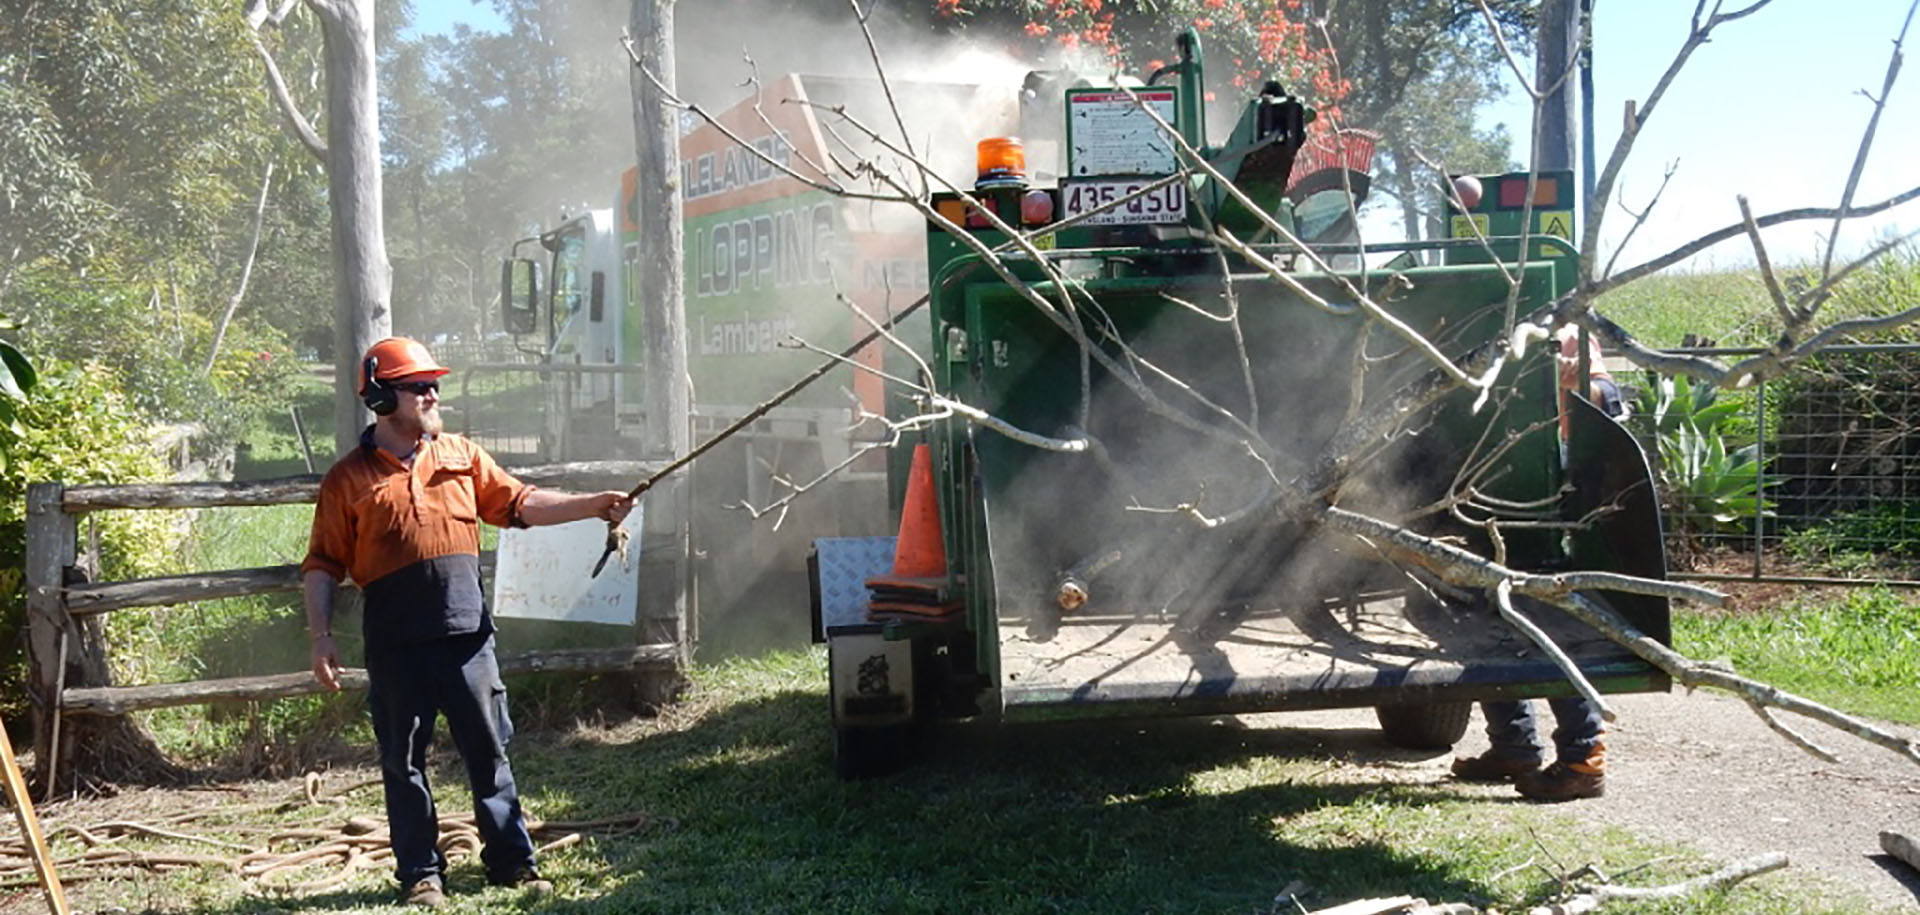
(1134, 555)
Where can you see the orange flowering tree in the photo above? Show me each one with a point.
(1407, 69)
(1247, 41)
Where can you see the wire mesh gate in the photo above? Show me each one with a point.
(1811, 478)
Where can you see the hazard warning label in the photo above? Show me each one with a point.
(1555, 222)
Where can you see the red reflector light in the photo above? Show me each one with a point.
(1513, 192)
(977, 219)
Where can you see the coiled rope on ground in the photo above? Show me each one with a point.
(287, 860)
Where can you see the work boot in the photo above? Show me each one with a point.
(1494, 766)
(528, 881)
(427, 892)
(1562, 782)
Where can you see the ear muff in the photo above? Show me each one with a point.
(379, 396)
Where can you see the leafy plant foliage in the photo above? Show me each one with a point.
(1705, 486)
(77, 428)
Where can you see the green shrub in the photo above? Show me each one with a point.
(1662, 310)
(1706, 487)
(251, 378)
(157, 353)
(77, 428)
(1859, 541)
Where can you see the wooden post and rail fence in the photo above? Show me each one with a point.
(62, 598)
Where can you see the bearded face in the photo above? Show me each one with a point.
(418, 411)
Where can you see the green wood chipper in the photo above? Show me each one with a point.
(1147, 408)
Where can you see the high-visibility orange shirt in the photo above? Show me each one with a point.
(1567, 346)
(376, 516)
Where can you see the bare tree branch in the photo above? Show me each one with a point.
(1603, 188)
(1767, 276)
(1503, 598)
(1640, 218)
(297, 122)
(886, 85)
(1717, 236)
(1726, 876)
(1866, 140)
(246, 271)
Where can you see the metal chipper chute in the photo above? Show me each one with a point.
(1157, 571)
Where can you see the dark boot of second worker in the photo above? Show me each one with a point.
(1496, 765)
(1567, 780)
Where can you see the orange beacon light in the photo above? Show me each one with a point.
(1002, 162)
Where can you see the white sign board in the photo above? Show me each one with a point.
(1109, 133)
(546, 573)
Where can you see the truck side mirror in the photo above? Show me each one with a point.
(520, 295)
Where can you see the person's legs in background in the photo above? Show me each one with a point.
(1579, 766)
(1514, 746)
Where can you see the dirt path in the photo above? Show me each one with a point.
(1704, 771)
(1720, 780)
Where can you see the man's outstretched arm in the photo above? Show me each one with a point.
(546, 506)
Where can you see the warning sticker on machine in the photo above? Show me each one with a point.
(1110, 133)
(1556, 222)
(1471, 226)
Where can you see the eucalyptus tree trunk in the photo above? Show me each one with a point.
(662, 239)
(1553, 72)
(665, 612)
(362, 278)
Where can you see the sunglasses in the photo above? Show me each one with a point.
(417, 388)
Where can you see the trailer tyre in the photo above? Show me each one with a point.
(871, 752)
(1424, 726)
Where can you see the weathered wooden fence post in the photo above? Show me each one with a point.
(81, 725)
(50, 551)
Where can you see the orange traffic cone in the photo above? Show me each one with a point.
(919, 553)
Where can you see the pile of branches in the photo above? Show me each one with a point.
(1585, 890)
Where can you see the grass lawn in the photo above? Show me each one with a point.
(1167, 816)
(1860, 654)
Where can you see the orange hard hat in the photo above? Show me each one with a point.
(398, 357)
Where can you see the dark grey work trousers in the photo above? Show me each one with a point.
(1511, 728)
(456, 676)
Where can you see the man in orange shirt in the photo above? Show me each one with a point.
(400, 516)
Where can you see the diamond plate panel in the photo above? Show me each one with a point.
(845, 565)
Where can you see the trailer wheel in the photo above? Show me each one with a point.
(871, 752)
(1424, 726)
